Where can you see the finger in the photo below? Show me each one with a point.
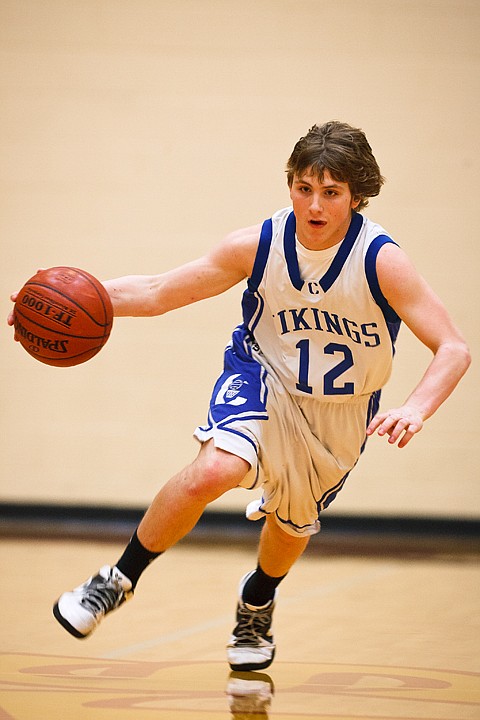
(375, 423)
(413, 429)
(399, 427)
(388, 425)
(10, 316)
(406, 438)
(11, 322)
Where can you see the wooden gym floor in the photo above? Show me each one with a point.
(357, 637)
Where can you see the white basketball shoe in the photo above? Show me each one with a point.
(251, 645)
(82, 609)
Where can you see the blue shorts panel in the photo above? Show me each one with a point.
(241, 389)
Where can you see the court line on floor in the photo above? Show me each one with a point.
(190, 631)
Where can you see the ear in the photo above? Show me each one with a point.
(356, 200)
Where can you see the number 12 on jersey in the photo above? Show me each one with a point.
(331, 383)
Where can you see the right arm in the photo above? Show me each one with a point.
(224, 266)
(229, 262)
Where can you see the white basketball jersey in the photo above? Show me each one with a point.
(319, 316)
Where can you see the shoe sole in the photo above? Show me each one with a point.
(65, 624)
(249, 667)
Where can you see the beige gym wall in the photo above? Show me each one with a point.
(135, 133)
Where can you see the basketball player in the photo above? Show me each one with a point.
(325, 294)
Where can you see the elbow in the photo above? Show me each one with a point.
(456, 354)
(467, 357)
(463, 357)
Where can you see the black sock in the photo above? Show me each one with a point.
(135, 559)
(260, 588)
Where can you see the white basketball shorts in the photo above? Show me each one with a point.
(300, 450)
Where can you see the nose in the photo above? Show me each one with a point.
(316, 203)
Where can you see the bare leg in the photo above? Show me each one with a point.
(278, 551)
(172, 514)
(252, 646)
(181, 501)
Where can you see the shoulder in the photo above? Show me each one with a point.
(393, 264)
(400, 281)
(380, 250)
(244, 241)
(238, 249)
(388, 268)
(244, 236)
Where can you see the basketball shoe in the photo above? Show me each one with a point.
(82, 609)
(251, 645)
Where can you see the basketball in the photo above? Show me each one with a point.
(63, 316)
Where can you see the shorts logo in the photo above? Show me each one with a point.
(229, 391)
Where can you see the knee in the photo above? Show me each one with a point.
(214, 472)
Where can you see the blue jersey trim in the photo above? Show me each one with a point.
(343, 252)
(290, 250)
(372, 278)
(391, 318)
(252, 309)
(252, 301)
(262, 255)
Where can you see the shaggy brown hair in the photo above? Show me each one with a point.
(342, 150)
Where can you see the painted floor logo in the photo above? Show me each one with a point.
(33, 687)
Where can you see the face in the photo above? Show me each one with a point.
(323, 209)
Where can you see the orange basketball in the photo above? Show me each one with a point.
(63, 316)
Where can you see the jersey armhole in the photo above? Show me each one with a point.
(372, 278)
(262, 255)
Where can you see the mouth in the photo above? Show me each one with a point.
(317, 223)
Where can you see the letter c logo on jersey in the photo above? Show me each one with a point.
(229, 391)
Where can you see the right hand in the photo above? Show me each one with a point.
(13, 297)
(10, 320)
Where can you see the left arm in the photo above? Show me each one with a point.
(426, 316)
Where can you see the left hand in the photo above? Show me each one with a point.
(400, 424)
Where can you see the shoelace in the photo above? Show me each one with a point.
(103, 596)
(251, 624)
